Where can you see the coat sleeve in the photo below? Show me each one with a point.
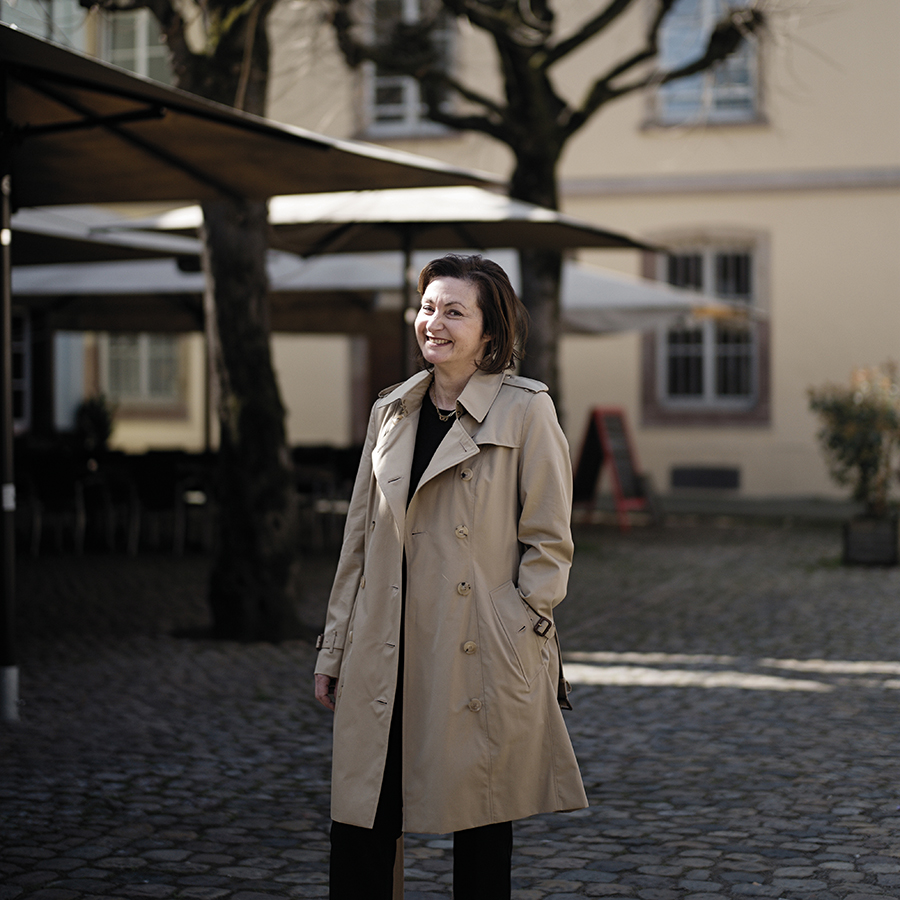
(545, 499)
(350, 565)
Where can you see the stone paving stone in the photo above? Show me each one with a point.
(149, 767)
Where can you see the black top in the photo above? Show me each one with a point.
(429, 435)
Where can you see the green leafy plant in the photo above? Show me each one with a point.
(94, 423)
(860, 433)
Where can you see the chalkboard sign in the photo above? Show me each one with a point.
(607, 443)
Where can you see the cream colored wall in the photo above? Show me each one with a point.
(831, 91)
(314, 374)
(832, 297)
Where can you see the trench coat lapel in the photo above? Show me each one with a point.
(393, 452)
(460, 442)
(456, 447)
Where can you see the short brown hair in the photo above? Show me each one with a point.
(504, 315)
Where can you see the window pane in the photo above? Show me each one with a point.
(162, 367)
(725, 93)
(124, 365)
(388, 91)
(158, 66)
(734, 276)
(395, 101)
(685, 270)
(69, 23)
(29, 15)
(133, 41)
(734, 361)
(143, 368)
(123, 32)
(685, 365)
(713, 361)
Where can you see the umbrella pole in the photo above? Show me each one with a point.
(9, 671)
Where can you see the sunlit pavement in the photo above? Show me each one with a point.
(736, 716)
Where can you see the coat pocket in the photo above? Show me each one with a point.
(517, 623)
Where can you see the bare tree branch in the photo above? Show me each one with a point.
(394, 55)
(588, 30)
(724, 40)
(516, 22)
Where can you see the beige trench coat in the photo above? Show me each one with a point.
(488, 548)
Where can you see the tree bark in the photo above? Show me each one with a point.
(540, 272)
(253, 590)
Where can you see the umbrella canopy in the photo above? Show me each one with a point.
(157, 295)
(68, 234)
(449, 218)
(83, 131)
(598, 301)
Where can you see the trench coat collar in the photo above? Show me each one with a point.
(392, 457)
(476, 398)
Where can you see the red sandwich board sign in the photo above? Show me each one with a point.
(607, 443)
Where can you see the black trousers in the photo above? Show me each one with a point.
(362, 859)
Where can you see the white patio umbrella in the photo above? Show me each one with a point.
(409, 219)
(147, 291)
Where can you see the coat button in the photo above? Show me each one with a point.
(362, 581)
(464, 588)
(475, 705)
(470, 647)
(466, 474)
(350, 637)
(462, 531)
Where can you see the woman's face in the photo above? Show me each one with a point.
(450, 326)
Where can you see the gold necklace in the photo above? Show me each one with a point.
(444, 417)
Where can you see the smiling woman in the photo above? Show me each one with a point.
(451, 338)
(439, 656)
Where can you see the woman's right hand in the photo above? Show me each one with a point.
(325, 690)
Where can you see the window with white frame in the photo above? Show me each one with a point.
(711, 363)
(21, 371)
(61, 21)
(132, 40)
(142, 369)
(727, 93)
(393, 103)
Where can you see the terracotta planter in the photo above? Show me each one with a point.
(871, 542)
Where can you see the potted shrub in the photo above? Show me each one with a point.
(860, 436)
(94, 424)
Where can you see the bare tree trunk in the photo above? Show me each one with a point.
(534, 180)
(253, 589)
(541, 271)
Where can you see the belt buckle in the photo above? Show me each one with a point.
(542, 626)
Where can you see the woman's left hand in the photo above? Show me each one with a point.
(325, 690)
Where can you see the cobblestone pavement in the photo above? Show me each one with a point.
(736, 716)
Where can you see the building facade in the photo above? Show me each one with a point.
(773, 181)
